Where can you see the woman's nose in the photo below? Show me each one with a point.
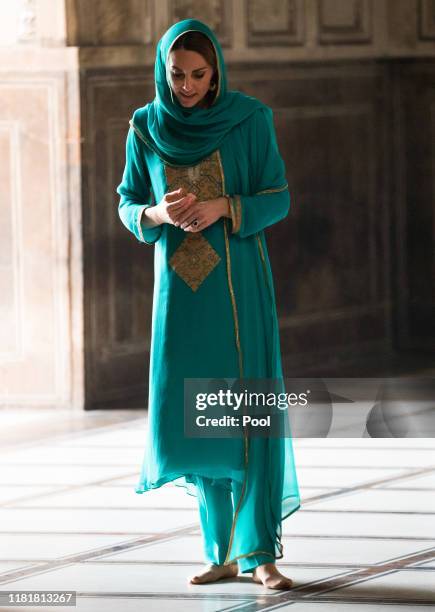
(187, 83)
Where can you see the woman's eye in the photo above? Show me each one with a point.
(179, 76)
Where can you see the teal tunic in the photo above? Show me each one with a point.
(214, 313)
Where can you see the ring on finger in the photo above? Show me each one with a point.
(194, 223)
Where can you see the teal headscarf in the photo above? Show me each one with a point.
(183, 136)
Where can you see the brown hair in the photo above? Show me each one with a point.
(199, 42)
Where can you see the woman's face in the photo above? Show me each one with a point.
(190, 75)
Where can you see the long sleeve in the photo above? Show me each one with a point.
(135, 193)
(270, 201)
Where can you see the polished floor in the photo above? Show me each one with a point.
(363, 540)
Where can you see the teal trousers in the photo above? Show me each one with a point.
(217, 506)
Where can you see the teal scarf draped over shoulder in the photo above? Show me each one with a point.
(183, 136)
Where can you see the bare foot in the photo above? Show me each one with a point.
(268, 575)
(213, 572)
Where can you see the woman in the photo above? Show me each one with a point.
(203, 179)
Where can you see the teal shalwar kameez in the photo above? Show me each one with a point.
(214, 312)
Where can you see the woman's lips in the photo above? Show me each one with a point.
(186, 96)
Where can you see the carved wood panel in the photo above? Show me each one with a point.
(217, 14)
(344, 21)
(275, 23)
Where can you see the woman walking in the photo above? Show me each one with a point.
(203, 178)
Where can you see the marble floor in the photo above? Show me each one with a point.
(363, 540)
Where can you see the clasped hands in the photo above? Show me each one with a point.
(181, 209)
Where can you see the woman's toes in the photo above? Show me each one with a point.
(271, 578)
(214, 572)
(204, 576)
(274, 582)
(198, 579)
(282, 583)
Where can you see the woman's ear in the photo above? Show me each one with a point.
(213, 81)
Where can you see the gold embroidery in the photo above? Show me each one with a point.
(236, 213)
(203, 179)
(195, 258)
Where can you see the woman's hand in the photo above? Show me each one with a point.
(205, 213)
(168, 209)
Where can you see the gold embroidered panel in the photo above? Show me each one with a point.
(195, 258)
(204, 179)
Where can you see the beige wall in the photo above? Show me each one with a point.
(52, 120)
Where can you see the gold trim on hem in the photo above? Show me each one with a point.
(266, 276)
(255, 552)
